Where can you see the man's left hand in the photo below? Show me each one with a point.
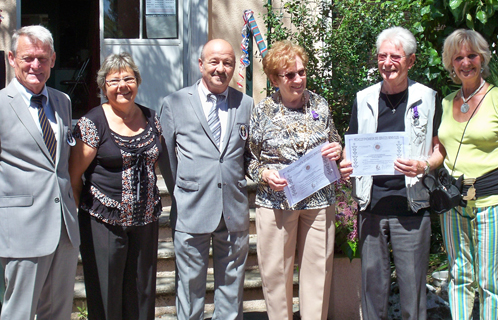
(410, 168)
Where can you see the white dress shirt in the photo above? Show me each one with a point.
(222, 110)
(26, 95)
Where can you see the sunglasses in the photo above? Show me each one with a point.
(291, 75)
(394, 57)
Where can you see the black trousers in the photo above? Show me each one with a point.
(119, 265)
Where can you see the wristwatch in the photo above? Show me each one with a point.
(427, 168)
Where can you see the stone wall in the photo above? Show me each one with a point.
(7, 27)
(345, 300)
(226, 22)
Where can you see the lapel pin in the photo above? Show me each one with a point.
(243, 132)
(70, 139)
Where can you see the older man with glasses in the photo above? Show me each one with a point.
(394, 209)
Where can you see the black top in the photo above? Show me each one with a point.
(388, 195)
(120, 183)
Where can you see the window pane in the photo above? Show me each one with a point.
(121, 19)
(161, 19)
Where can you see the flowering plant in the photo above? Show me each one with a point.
(346, 225)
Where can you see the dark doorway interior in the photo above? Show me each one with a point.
(74, 25)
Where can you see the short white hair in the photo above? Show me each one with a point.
(400, 37)
(35, 34)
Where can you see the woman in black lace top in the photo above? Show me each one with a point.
(117, 146)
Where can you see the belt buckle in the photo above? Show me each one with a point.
(471, 192)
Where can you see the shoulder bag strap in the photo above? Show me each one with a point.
(463, 133)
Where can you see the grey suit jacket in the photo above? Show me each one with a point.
(35, 193)
(204, 180)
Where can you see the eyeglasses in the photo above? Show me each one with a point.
(291, 75)
(116, 82)
(394, 57)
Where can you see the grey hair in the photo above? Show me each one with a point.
(117, 62)
(35, 34)
(400, 37)
(475, 41)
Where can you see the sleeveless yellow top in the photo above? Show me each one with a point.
(479, 151)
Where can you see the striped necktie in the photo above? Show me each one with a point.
(48, 133)
(213, 118)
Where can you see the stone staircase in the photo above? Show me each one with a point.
(346, 279)
(165, 291)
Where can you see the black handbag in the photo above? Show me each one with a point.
(445, 192)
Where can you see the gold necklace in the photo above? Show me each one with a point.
(302, 146)
(393, 107)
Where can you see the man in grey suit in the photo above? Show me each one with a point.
(39, 236)
(205, 129)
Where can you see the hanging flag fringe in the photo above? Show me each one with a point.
(249, 27)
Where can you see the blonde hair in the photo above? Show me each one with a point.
(462, 37)
(282, 55)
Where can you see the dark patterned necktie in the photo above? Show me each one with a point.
(48, 133)
(213, 118)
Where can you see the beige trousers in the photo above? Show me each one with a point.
(280, 233)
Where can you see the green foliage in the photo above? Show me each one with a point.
(433, 21)
(339, 37)
(493, 68)
(82, 313)
(346, 225)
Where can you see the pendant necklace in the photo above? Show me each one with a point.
(301, 146)
(465, 106)
(393, 107)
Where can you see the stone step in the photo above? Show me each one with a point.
(166, 199)
(166, 257)
(344, 304)
(344, 298)
(165, 290)
(253, 310)
(165, 226)
(166, 253)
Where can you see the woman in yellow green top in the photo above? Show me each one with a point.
(469, 133)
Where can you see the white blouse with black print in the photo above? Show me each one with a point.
(278, 136)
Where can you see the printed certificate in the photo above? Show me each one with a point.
(309, 174)
(374, 154)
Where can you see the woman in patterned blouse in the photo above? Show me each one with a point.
(283, 128)
(117, 146)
